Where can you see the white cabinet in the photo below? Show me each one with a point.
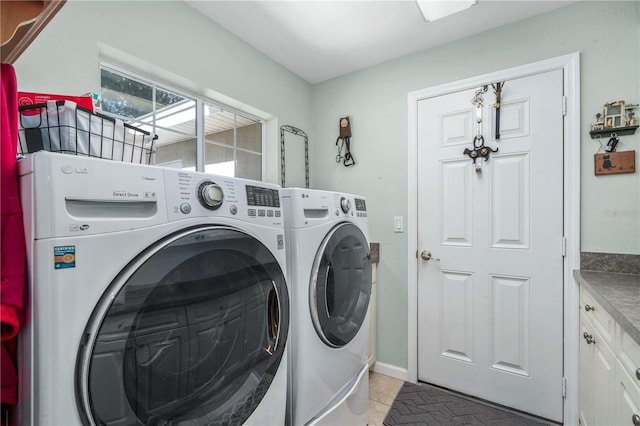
(609, 369)
(597, 376)
(627, 395)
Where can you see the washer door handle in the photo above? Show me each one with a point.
(273, 318)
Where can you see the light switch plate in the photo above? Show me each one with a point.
(398, 224)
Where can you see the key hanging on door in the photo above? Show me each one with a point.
(497, 90)
(479, 150)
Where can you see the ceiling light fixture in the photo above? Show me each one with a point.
(432, 10)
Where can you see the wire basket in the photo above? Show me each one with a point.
(63, 126)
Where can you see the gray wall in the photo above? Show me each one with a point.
(607, 36)
(171, 41)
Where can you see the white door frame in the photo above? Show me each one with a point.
(570, 64)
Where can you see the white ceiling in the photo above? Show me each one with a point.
(320, 40)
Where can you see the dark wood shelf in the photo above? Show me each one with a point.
(620, 131)
(24, 17)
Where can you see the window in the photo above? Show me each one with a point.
(229, 142)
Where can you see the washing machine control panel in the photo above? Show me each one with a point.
(262, 197)
(193, 194)
(263, 202)
(345, 205)
(210, 195)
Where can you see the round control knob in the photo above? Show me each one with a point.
(185, 208)
(210, 195)
(345, 205)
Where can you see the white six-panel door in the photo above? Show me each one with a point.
(490, 301)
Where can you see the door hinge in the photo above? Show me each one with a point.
(564, 106)
(564, 387)
(564, 246)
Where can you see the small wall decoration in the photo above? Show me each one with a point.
(609, 163)
(616, 115)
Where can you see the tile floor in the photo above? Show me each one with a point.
(382, 391)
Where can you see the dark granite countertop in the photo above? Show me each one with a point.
(619, 295)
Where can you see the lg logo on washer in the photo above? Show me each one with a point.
(77, 227)
(67, 170)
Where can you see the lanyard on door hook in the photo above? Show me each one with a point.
(497, 89)
(479, 150)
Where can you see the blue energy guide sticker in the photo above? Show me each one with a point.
(64, 257)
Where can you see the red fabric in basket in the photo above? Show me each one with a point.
(13, 250)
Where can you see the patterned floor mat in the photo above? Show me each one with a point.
(423, 404)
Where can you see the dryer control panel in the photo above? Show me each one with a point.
(361, 207)
(309, 207)
(350, 205)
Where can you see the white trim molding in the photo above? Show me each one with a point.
(391, 371)
(570, 64)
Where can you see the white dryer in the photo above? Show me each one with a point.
(157, 296)
(329, 275)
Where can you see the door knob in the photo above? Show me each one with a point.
(426, 255)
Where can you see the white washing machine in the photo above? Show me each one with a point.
(329, 275)
(157, 296)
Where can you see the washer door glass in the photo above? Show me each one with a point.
(341, 285)
(192, 332)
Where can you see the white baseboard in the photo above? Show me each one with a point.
(391, 371)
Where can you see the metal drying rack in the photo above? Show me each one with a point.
(297, 132)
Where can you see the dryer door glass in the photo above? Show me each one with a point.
(192, 332)
(341, 285)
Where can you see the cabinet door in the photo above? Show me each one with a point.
(597, 377)
(603, 388)
(627, 398)
(585, 377)
(603, 322)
